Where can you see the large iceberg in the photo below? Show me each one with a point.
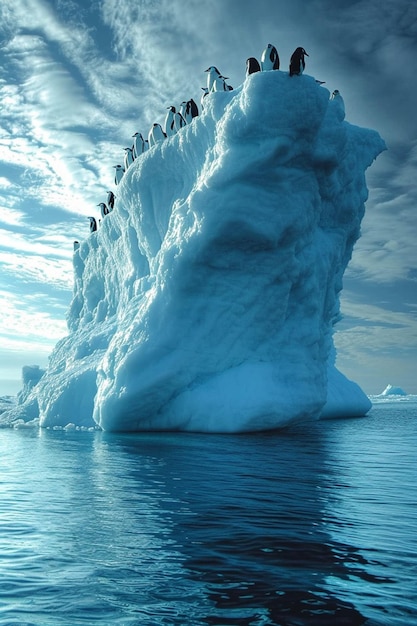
(206, 300)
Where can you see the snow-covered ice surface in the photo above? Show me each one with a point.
(206, 300)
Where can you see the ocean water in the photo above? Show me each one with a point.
(314, 525)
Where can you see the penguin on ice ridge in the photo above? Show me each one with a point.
(338, 100)
(179, 121)
(155, 134)
(103, 209)
(128, 158)
(213, 77)
(205, 93)
(110, 200)
(170, 128)
(220, 84)
(270, 58)
(138, 145)
(93, 224)
(193, 108)
(297, 63)
(252, 66)
(119, 174)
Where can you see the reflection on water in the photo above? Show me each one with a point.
(314, 525)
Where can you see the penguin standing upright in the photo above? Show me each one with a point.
(193, 108)
(297, 63)
(103, 209)
(119, 174)
(213, 76)
(189, 110)
(183, 109)
(155, 134)
(76, 245)
(205, 93)
(128, 158)
(179, 121)
(110, 200)
(252, 66)
(219, 84)
(339, 102)
(93, 224)
(169, 125)
(138, 144)
(269, 58)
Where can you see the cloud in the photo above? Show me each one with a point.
(376, 346)
(25, 321)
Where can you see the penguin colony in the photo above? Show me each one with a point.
(188, 110)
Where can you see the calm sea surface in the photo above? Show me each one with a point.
(316, 525)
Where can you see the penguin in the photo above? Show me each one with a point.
(338, 100)
(269, 58)
(205, 93)
(252, 66)
(213, 75)
(76, 245)
(219, 84)
(169, 125)
(119, 174)
(110, 200)
(138, 144)
(93, 224)
(183, 108)
(297, 63)
(128, 158)
(156, 134)
(185, 111)
(103, 209)
(189, 110)
(179, 121)
(193, 108)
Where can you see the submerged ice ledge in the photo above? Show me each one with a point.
(206, 300)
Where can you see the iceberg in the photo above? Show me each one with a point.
(206, 300)
(391, 390)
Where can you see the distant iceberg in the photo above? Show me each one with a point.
(391, 394)
(206, 300)
(391, 390)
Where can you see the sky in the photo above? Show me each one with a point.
(79, 77)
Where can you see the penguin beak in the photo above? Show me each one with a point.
(307, 55)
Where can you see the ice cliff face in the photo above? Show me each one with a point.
(206, 300)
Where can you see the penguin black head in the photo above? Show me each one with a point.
(252, 66)
(172, 109)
